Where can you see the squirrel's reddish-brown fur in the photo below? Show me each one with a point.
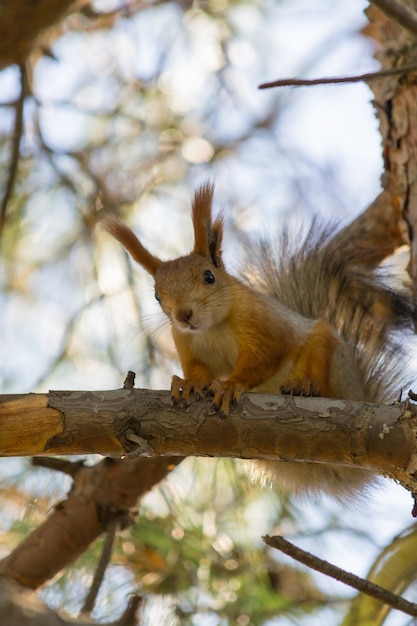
(232, 338)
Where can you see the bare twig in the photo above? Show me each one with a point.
(335, 80)
(364, 586)
(59, 465)
(399, 12)
(129, 382)
(130, 617)
(14, 157)
(105, 557)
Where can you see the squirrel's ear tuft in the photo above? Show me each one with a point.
(215, 241)
(131, 243)
(207, 236)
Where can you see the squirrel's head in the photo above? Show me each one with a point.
(192, 290)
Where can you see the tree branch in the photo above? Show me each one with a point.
(58, 465)
(104, 561)
(364, 586)
(336, 80)
(100, 495)
(142, 422)
(16, 138)
(21, 607)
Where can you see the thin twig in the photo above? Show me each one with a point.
(105, 557)
(364, 586)
(58, 465)
(129, 382)
(130, 617)
(399, 12)
(335, 80)
(14, 157)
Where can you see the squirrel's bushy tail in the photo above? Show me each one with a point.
(324, 276)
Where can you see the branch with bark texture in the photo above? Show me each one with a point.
(142, 422)
(100, 495)
(362, 585)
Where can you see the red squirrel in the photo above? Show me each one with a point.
(278, 338)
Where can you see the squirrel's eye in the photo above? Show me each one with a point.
(157, 297)
(208, 278)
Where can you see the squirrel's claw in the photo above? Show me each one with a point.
(298, 387)
(182, 388)
(225, 394)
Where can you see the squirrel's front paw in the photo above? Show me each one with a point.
(298, 387)
(182, 388)
(224, 395)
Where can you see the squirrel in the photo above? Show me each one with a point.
(319, 322)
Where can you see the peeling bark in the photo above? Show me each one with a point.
(135, 421)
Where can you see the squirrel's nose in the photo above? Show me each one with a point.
(184, 315)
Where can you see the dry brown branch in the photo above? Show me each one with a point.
(104, 561)
(364, 586)
(100, 494)
(337, 80)
(114, 423)
(14, 156)
(58, 465)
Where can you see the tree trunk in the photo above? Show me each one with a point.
(396, 108)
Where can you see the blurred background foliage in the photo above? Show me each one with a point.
(128, 106)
